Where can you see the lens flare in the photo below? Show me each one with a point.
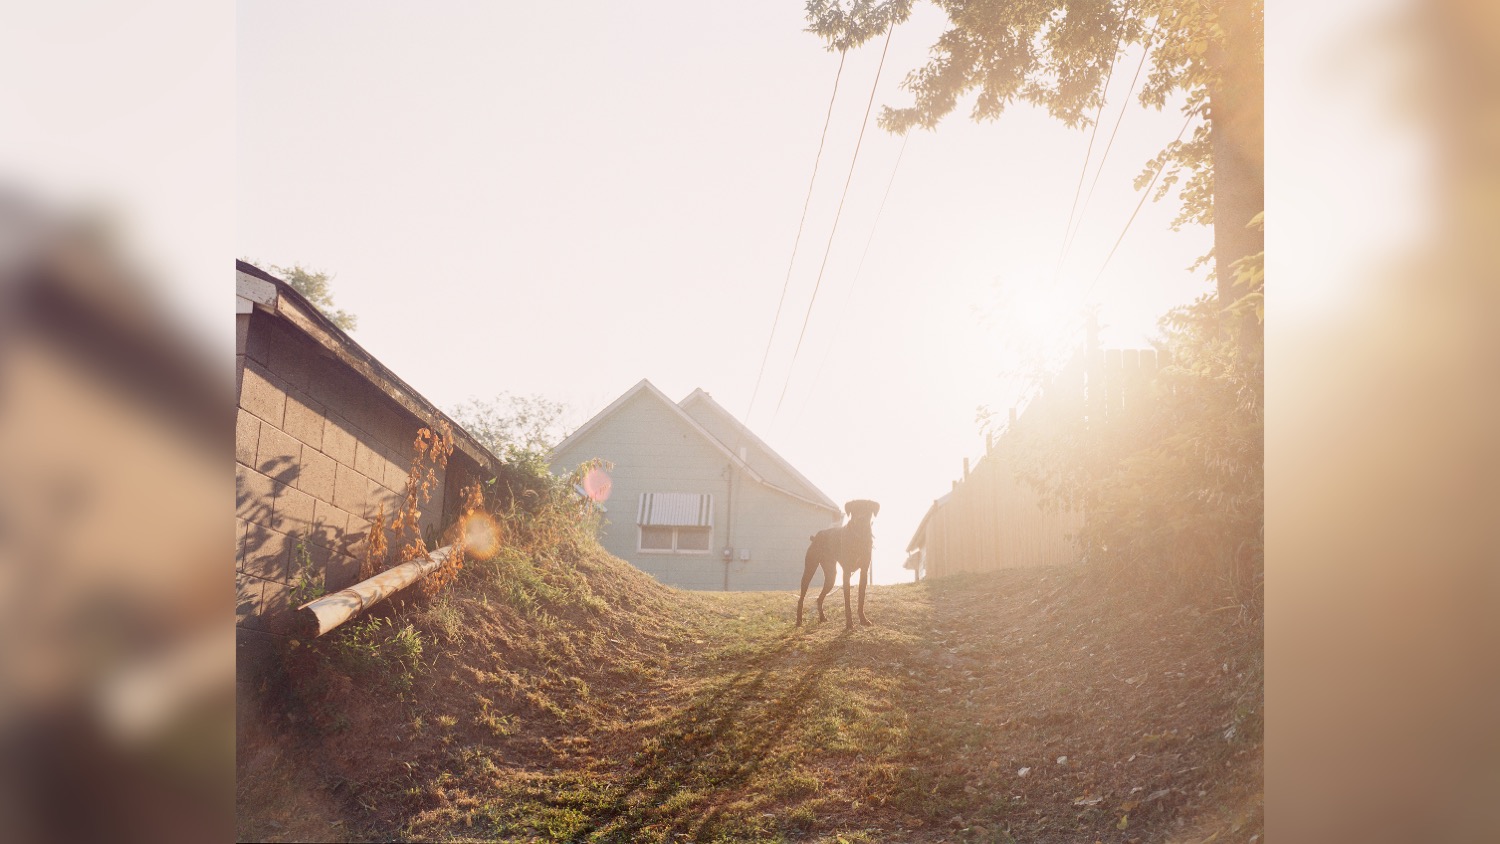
(481, 536)
(596, 485)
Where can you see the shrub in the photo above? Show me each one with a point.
(1178, 493)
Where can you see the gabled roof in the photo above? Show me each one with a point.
(815, 498)
(699, 396)
(258, 290)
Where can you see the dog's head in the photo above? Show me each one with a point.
(862, 510)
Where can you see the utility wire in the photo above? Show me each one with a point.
(1124, 107)
(841, 319)
(1084, 171)
(795, 243)
(1144, 195)
(890, 28)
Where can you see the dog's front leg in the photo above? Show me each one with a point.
(807, 576)
(849, 611)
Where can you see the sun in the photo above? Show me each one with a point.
(1036, 325)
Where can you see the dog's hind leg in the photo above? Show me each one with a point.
(807, 576)
(864, 574)
(829, 569)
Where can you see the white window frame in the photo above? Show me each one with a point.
(640, 535)
(679, 507)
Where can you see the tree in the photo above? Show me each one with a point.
(315, 286)
(510, 425)
(1058, 54)
(1175, 488)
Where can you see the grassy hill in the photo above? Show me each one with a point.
(567, 697)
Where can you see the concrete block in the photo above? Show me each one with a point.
(395, 474)
(338, 440)
(342, 390)
(342, 572)
(241, 333)
(352, 543)
(266, 553)
(378, 495)
(394, 427)
(290, 358)
(317, 475)
(258, 338)
(329, 524)
(304, 419)
(246, 437)
(366, 460)
(254, 495)
(278, 455)
(263, 395)
(274, 598)
(294, 512)
(247, 594)
(307, 562)
(349, 489)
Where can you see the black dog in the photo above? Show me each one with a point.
(848, 545)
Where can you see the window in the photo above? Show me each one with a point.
(658, 538)
(694, 539)
(676, 523)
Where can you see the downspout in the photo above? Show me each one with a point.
(321, 615)
(728, 522)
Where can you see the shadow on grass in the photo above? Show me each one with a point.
(686, 777)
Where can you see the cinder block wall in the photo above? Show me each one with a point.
(318, 451)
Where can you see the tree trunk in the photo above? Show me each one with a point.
(1237, 115)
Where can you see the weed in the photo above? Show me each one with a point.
(443, 617)
(377, 647)
(499, 724)
(375, 547)
(308, 584)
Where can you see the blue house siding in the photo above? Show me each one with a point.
(657, 448)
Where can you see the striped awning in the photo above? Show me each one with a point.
(676, 509)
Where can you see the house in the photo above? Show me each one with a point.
(927, 550)
(697, 500)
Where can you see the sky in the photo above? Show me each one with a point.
(540, 172)
(562, 201)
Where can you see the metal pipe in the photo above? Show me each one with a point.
(321, 615)
(729, 518)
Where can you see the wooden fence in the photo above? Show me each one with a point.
(991, 518)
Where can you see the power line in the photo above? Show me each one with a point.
(890, 28)
(1139, 205)
(1084, 171)
(795, 243)
(841, 318)
(1144, 195)
(1145, 53)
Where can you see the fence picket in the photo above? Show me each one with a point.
(991, 519)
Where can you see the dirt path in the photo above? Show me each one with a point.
(1023, 701)
(1031, 706)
